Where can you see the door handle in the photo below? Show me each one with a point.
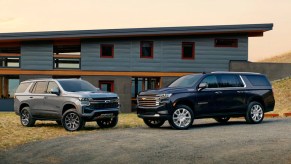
(218, 92)
(31, 97)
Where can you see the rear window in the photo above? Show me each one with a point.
(258, 80)
(22, 87)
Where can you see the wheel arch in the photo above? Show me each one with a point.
(67, 107)
(22, 106)
(257, 99)
(186, 102)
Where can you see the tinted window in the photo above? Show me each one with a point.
(40, 87)
(146, 48)
(258, 80)
(22, 87)
(51, 85)
(229, 81)
(211, 81)
(186, 81)
(77, 86)
(188, 50)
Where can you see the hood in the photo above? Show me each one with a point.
(166, 91)
(98, 94)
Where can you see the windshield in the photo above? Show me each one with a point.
(77, 86)
(186, 81)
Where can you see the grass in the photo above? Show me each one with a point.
(13, 133)
(282, 93)
(283, 58)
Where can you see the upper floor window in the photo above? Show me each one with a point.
(106, 50)
(188, 50)
(226, 43)
(67, 54)
(146, 49)
(10, 55)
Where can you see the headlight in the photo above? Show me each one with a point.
(85, 101)
(165, 95)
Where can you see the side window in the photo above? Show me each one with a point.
(229, 81)
(22, 87)
(51, 85)
(40, 87)
(258, 80)
(211, 81)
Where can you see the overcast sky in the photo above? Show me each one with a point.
(56, 15)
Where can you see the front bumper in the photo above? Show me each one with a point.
(100, 114)
(163, 111)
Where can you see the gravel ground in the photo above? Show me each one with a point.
(206, 142)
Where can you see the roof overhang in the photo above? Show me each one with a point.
(252, 30)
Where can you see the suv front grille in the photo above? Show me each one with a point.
(148, 101)
(104, 103)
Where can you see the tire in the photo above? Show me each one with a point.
(182, 117)
(222, 120)
(72, 121)
(108, 122)
(26, 118)
(255, 113)
(59, 122)
(153, 123)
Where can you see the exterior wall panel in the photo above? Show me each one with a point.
(37, 55)
(167, 55)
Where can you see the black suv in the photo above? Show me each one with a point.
(70, 102)
(218, 95)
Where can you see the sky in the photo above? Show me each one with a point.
(59, 15)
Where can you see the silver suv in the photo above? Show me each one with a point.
(69, 102)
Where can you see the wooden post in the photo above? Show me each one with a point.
(5, 87)
(1, 86)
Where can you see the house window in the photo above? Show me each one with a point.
(188, 50)
(9, 56)
(107, 51)
(8, 86)
(67, 54)
(143, 83)
(106, 86)
(146, 49)
(226, 43)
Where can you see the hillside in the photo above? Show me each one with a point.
(282, 93)
(283, 58)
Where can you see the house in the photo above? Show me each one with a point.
(124, 61)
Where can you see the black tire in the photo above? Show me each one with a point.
(59, 122)
(72, 121)
(153, 123)
(26, 118)
(186, 119)
(108, 122)
(255, 113)
(222, 120)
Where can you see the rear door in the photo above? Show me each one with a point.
(36, 99)
(231, 96)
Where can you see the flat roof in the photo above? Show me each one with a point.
(250, 29)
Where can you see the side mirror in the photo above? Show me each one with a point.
(55, 90)
(202, 86)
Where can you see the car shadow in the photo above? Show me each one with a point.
(209, 124)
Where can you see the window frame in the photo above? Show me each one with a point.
(106, 45)
(111, 82)
(232, 46)
(151, 52)
(193, 51)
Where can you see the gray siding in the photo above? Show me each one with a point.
(167, 55)
(37, 55)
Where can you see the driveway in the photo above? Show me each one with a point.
(206, 142)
